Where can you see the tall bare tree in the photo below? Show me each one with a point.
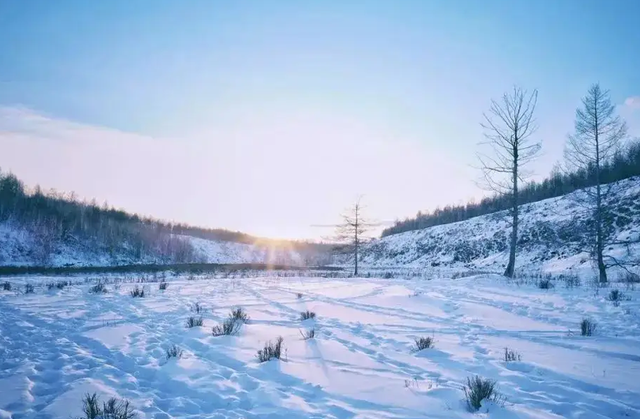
(508, 126)
(352, 232)
(597, 136)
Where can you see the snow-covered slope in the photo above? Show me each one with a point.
(552, 237)
(21, 247)
(214, 251)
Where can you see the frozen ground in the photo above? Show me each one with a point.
(55, 346)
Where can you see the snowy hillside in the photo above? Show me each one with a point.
(552, 237)
(21, 247)
(216, 251)
(58, 345)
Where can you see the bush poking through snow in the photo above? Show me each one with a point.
(587, 327)
(479, 389)
(91, 406)
(511, 355)
(28, 289)
(118, 409)
(571, 281)
(194, 322)
(545, 284)
(59, 285)
(197, 308)
(271, 350)
(228, 327)
(162, 286)
(308, 334)
(240, 315)
(6, 285)
(306, 315)
(98, 288)
(423, 343)
(630, 279)
(137, 292)
(615, 296)
(299, 295)
(111, 409)
(174, 352)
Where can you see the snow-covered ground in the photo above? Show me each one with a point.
(57, 345)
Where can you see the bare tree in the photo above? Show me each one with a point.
(352, 232)
(508, 127)
(596, 139)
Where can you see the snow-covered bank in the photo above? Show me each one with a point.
(57, 345)
(552, 238)
(21, 247)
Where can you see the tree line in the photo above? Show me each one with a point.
(55, 218)
(624, 164)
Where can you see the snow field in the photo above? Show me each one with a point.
(57, 345)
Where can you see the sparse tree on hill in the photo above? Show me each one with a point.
(594, 143)
(508, 127)
(352, 232)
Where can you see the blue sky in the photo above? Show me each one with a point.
(268, 117)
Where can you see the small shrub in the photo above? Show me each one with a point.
(306, 315)
(545, 284)
(587, 327)
(299, 295)
(423, 343)
(271, 350)
(59, 285)
(572, 281)
(615, 296)
(118, 409)
(98, 288)
(162, 286)
(194, 322)
(630, 279)
(6, 285)
(197, 308)
(479, 389)
(239, 314)
(174, 352)
(91, 406)
(511, 355)
(28, 289)
(308, 334)
(228, 327)
(111, 409)
(137, 292)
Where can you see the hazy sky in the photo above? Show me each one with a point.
(271, 116)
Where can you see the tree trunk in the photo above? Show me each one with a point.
(355, 271)
(511, 266)
(602, 269)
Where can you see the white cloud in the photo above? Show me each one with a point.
(630, 112)
(633, 102)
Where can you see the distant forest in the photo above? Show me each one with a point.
(625, 164)
(55, 218)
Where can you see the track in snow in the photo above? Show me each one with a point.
(55, 346)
